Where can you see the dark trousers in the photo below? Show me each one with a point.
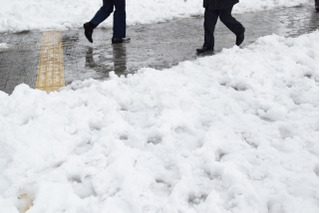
(210, 21)
(119, 16)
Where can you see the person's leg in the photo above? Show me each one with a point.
(103, 13)
(210, 21)
(119, 19)
(99, 17)
(232, 24)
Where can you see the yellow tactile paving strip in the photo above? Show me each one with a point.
(51, 70)
(25, 204)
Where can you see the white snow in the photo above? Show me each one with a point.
(19, 15)
(236, 132)
(4, 46)
(233, 132)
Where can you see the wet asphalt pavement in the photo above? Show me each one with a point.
(159, 46)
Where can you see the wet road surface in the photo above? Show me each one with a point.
(159, 46)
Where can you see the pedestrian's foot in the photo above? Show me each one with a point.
(88, 30)
(205, 49)
(239, 39)
(119, 40)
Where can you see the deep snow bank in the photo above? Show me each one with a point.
(234, 132)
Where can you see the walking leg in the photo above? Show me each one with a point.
(99, 17)
(119, 19)
(103, 13)
(210, 21)
(232, 24)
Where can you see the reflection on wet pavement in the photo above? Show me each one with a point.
(158, 46)
(119, 58)
(164, 45)
(119, 61)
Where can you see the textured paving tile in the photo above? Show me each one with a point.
(50, 70)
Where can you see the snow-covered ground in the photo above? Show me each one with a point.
(19, 15)
(236, 132)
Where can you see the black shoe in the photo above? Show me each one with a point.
(88, 30)
(120, 40)
(239, 39)
(205, 49)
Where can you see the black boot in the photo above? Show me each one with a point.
(115, 40)
(205, 49)
(88, 30)
(240, 39)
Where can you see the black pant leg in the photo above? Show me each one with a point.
(210, 20)
(119, 19)
(230, 22)
(103, 13)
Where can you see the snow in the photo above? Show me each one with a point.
(233, 132)
(18, 15)
(4, 46)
